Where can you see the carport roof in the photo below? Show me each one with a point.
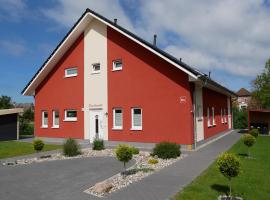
(11, 111)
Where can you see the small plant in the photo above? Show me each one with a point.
(98, 145)
(71, 148)
(254, 132)
(229, 166)
(166, 150)
(249, 141)
(38, 145)
(123, 154)
(152, 161)
(134, 150)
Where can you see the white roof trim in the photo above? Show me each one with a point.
(27, 92)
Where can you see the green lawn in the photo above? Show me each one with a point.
(15, 148)
(252, 183)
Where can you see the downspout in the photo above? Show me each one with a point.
(194, 120)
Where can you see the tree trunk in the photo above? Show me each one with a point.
(248, 152)
(230, 184)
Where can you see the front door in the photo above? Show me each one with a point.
(96, 124)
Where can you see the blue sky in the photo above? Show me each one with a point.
(229, 38)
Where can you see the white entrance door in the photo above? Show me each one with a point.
(96, 124)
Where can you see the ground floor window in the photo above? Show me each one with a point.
(136, 118)
(208, 118)
(117, 118)
(55, 119)
(213, 116)
(44, 119)
(70, 115)
(225, 116)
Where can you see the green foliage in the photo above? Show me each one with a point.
(254, 132)
(152, 161)
(166, 150)
(261, 86)
(240, 118)
(38, 145)
(26, 122)
(28, 114)
(248, 140)
(134, 150)
(229, 166)
(6, 102)
(98, 145)
(123, 153)
(71, 148)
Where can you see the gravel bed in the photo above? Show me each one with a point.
(120, 181)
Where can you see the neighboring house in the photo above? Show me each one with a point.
(9, 124)
(243, 98)
(103, 81)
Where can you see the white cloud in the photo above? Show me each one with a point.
(14, 48)
(230, 36)
(12, 9)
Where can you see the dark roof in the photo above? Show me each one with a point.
(194, 71)
(243, 93)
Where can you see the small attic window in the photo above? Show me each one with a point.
(96, 68)
(117, 65)
(71, 72)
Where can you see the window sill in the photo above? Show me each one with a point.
(70, 120)
(95, 72)
(117, 129)
(136, 129)
(115, 70)
(44, 127)
(209, 126)
(70, 76)
(55, 127)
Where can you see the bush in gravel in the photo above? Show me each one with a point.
(38, 145)
(134, 150)
(98, 145)
(152, 161)
(166, 150)
(249, 141)
(229, 166)
(254, 132)
(123, 154)
(71, 148)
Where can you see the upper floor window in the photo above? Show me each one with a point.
(136, 120)
(117, 118)
(55, 119)
(70, 115)
(96, 68)
(117, 65)
(71, 72)
(44, 119)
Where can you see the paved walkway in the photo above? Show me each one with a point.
(169, 181)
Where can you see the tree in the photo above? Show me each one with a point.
(249, 141)
(26, 122)
(124, 154)
(6, 102)
(261, 86)
(229, 166)
(240, 118)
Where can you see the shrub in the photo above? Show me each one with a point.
(229, 166)
(38, 145)
(123, 154)
(166, 150)
(98, 145)
(71, 148)
(254, 132)
(134, 150)
(152, 161)
(249, 141)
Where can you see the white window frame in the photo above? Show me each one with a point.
(213, 116)
(95, 71)
(225, 117)
(117, 68)
(208, 118)
(43, 125)
(70, 119)
(221, 116)
(137, 128)
(114, 126)
(71, 75)
(56, 125)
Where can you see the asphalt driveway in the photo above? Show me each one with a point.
(61, 180)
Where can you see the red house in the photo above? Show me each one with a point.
(104, 81)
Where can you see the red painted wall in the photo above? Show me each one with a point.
(152, 84)
(57, 92)
(218, 101)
